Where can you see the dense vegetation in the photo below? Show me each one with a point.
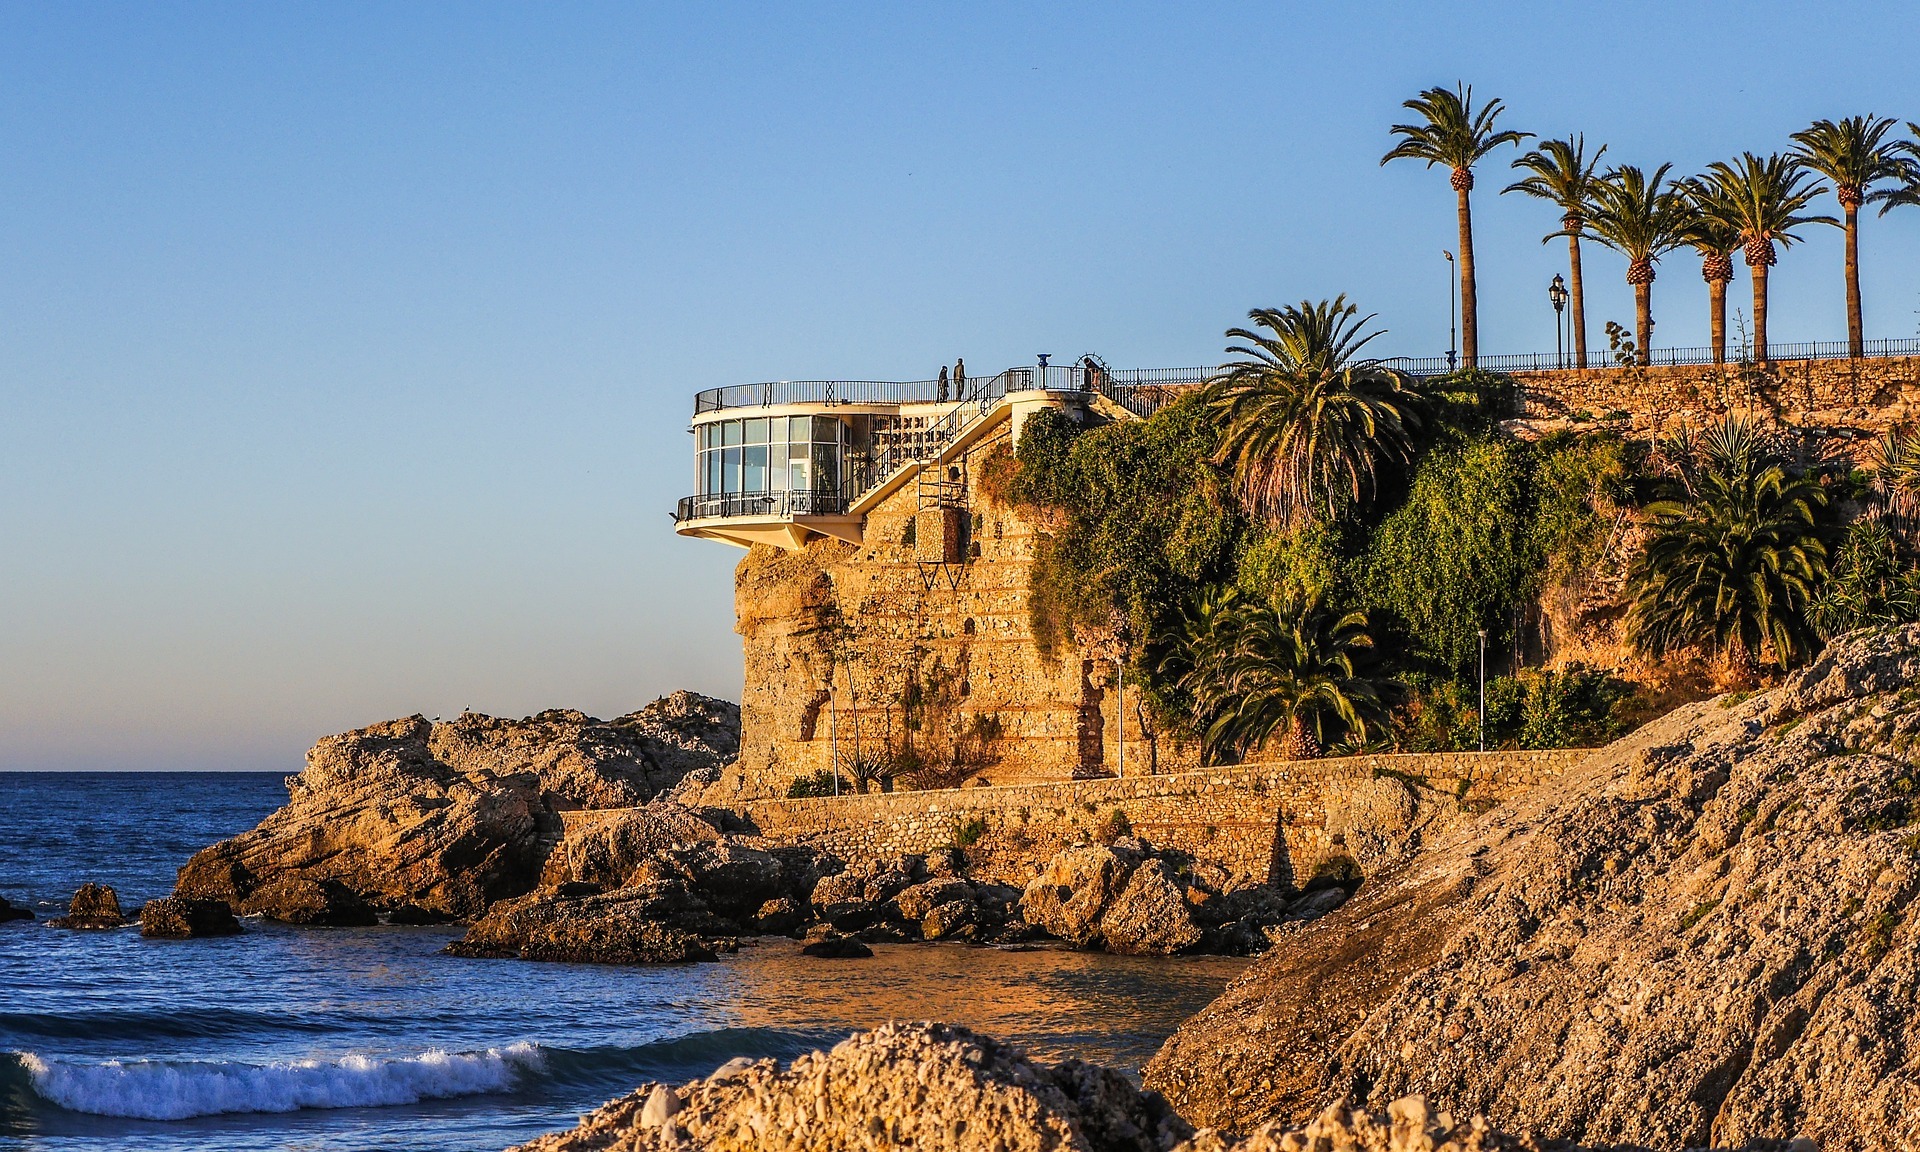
(1311, 552)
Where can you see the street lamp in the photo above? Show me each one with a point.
(1452, 286)
(1557, 292)
(1483, 690)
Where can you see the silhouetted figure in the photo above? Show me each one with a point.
(940, 392)
(960, 378)
(1089, 375)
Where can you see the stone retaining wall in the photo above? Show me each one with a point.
(1266, 821)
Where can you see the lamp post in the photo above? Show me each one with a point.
(1483, 690)
(1557, 292)
(1453, 286)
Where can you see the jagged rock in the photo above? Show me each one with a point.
(607, 851)
(956, 919)
(627, 926)
(304, 900)
(733, 879)
(779, 916)
(837, 948)
(915, 902)
(93, 906)
(180, 917)
(1704, 934)
(446, 818)
(9, 913)
(1069, 895)
(1410, 1127)
(1150, 916)
(929, 1087)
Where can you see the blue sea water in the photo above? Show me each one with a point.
(368, 1038)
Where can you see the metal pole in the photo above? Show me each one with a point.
(1483, 690)
(1452, 288)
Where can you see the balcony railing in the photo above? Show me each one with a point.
(786, 504)
(1055, 377)
(1424, 366)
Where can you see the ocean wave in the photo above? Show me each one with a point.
(179, 1089)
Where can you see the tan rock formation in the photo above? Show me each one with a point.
(93, 906)
(432, 820)
(1703, 934)
(929, 1087)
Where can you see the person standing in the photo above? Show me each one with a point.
(940, 392)
(960, 379)
(1089, 375)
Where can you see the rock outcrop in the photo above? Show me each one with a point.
(184, 917)
(94, 906)
(929, 1087)
(9, 913)
(436, 821)
(1703, 935)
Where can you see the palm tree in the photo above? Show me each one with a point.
(1736, 563)
(1856, 155)
(1763, 200)
(1894, 462)
(1564, 175)
(1457, 135)
(1304, 418)
(1257, 668)
(1641, 218)
(1709, 234)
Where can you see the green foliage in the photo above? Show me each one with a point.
(967, 833)
(1735, 563)
(1871, 580)
(1466, 405)
(1253, 669)
(1305, 420)
(807, 787)
(1577, 707)
(1292, 564)
(1458, 555)
(1579, 485)
(1140, 520)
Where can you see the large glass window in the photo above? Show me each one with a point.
(770, 454)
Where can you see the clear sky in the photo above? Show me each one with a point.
(346, 351)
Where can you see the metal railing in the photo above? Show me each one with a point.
(719, 506)
(1055, 377)
(1426, 366)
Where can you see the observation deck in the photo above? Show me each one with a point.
(784, 461)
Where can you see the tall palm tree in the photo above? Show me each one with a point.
(1856, 155)
(1257, 669)
(1457, 135)
(1735, 563)
(1564, 175)
(1709, 234)
(1304, 417)
(1642, 218)
(1763, 199)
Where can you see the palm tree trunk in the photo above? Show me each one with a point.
(1299, 743)
(1759, 312)
(1856, 338)
(1577, 291)
(1717, 318)
(1469, 301)
(1643, 316)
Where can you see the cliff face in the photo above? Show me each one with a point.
(437, 820)
(1702, 934)
(935, 668)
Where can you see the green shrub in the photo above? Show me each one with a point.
(967, 833)
(1113, 827)
(807, 787)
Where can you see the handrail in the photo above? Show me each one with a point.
(1427, 366)
(721, 505)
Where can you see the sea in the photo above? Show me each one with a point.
(369, 1038)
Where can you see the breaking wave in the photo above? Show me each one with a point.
(178, 1089)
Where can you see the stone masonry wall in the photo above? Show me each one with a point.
(933, 665)
(1865, 395)
(1272, 821)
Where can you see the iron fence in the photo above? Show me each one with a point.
(718, 506)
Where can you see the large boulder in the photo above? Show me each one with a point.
(605, 849)
(9, 913)
(1112, 898)
(929, 1087)
(93, 906)
(643, 924)
(1702, 935)
(182, 917)
(439, 820)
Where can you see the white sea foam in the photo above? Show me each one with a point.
(177, 1089)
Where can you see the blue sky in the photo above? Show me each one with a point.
(346, 351)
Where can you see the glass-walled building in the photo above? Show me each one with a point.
(762, 455)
